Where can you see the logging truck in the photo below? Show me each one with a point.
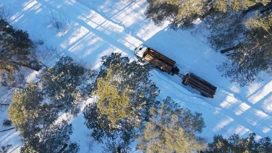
(166, 64)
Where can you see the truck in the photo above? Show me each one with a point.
(157, 59)
(168, 65)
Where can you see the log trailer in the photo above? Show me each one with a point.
(167, 65)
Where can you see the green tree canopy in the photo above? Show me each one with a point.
(125, 95)
(25, 112)
(35, 109)
(181, 13)
(252, 52)
(172, 129)
(239, 145)
(61, 82)
(16, 51)
(112, 103)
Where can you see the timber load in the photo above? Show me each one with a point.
(157, 59)
(205, 88)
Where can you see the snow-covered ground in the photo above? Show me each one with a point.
(87, 30)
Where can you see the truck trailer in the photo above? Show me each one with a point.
(205, 88)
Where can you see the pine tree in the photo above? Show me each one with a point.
(125, 95)
(172, 129)
(34, 115)
(253, 54)
(16, 51)
(34, 119)
(181, 13)
(60, 82)
(239, 145)
(51, 139)
(112, 102)
(24, 111)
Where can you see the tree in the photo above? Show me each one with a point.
(239, 145)
(181, 13)
(16, 51)
(6, 123)
(51, 139)
(125, 95)
(253, 54)
(172, 129)
(112, 103)
(61, 83)
(34, 119)
(34, 116)
(24, 111)
(226, 30)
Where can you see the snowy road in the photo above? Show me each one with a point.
(96, 28)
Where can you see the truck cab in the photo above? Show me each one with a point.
(139, 51)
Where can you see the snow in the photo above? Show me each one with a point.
(92, 29)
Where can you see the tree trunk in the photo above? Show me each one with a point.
(25, 65)
(40, 62)
(230, 49)
(119, 149)
(7, 129)
(255, 7)
(63, 148)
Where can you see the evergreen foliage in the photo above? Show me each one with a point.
(239, 145)
(125, 96)
(16, 51)
(181, 13)
(6, 123)
(116, 147)
(225, 27)
(252, 54)
(61, 82)
(35, 117)
(112, 103)
(51, 139)
(25, 112)
(126, 109)
(172, 129)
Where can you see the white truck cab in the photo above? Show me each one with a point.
(139, 51)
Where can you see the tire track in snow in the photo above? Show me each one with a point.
(205, 102)
(238, 102)
(126, 30)
(79, 11)
(121, 46)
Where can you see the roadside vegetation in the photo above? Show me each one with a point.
(126, 109)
